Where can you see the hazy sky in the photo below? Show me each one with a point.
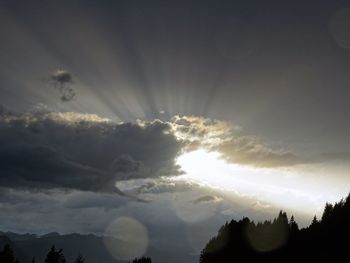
(141, 92)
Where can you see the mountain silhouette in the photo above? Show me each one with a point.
(91, 247)
(26, 246)
(281, 240)
(20, 255)
(278, 240)
(17, 237)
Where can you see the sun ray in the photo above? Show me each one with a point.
(279, 187)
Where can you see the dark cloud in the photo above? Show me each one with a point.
(9, 196)
(32, 166)
(3, 110)
(334, 156)
(126, 166)
(63, 81)
(78, 200)
(81, 151)
(166, 186)
(46, 150)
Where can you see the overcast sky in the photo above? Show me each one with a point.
(100, 99)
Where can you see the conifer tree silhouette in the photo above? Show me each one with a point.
(142, 260)
(79, 259)
(314, 221)
(281, 240)
(7, 255)
(327, 212)
(54, 256)
(294, 228)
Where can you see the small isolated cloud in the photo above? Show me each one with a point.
(63, 81)
(207, 199)
(260, 205)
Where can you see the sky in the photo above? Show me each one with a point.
(172, 115)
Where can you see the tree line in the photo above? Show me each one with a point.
(53, 256)
(281, 240)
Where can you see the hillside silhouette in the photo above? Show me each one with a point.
(7, 255)
(77, 248)
(281, 240)
(278, 240)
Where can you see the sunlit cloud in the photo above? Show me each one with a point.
(207, 199)
(226, 138)
(279, 187)
(91, 153)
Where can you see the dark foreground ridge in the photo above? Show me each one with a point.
(281, 240)
(53, 256)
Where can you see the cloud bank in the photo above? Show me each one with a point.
(82, 151)
(43, 149)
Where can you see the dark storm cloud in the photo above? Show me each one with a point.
(81, 151)
(33, 166)
(63, 81)
(46, 150)
(78, 200)
(126, 165)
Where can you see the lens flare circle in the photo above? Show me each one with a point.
(126, 238)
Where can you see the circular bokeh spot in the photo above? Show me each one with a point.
(126, 238)
(268, 238)
(340, 27)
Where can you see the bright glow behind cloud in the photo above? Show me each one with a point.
(282, 188)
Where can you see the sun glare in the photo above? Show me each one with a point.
(282, 188)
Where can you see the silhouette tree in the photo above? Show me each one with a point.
(54, 256)
(327, 212)
(283, 241)
(79, 259)
(314, 221)
(7, 255)
(142, 260)
(294, 228)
